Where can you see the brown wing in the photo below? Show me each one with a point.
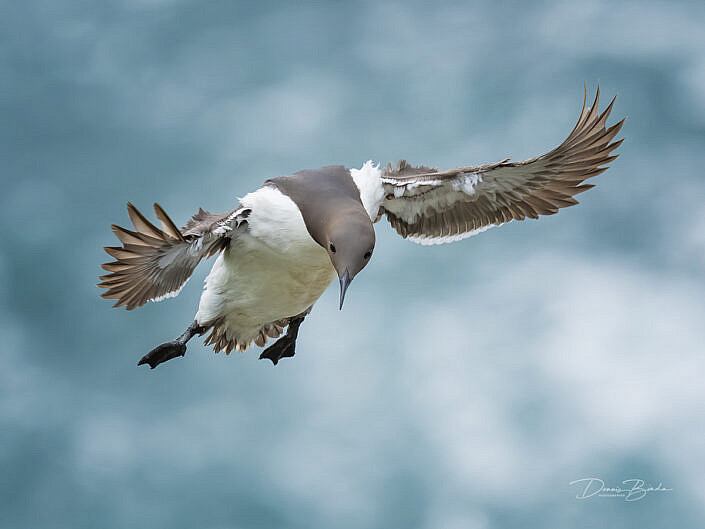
(432, 207)
(153, 264)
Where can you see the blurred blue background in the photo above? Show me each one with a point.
(463, 386)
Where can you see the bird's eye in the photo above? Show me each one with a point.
(367, 255)
(332, 248)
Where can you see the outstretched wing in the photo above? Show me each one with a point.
(154, 264)
(431, 207)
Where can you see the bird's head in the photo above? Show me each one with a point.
(350, 241)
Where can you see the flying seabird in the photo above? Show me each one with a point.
(284, 243)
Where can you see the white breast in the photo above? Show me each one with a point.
(271, 271)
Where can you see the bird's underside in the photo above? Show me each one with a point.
(273, 262)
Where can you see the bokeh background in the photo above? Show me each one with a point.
(463, 386)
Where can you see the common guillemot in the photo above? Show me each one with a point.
(284, 243)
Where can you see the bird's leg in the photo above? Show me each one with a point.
(284, 346)
(169, 350)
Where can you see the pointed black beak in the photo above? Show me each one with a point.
(344, 282)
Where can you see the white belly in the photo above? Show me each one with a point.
(272, 271)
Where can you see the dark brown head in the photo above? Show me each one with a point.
(349, 241)
(329, 202)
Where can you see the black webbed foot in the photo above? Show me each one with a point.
(284, 347)
(162, 353)
(173, 349)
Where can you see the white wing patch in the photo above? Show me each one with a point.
(171, 294)
(430, 241)
(466, 182)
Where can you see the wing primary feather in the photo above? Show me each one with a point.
(140, 222)
(436, 206)
(152, 264)
(168, 225)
